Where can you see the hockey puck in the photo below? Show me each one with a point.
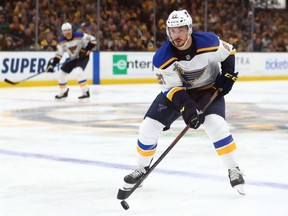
(124, 204)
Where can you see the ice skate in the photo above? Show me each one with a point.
(131, 179)
(237, 180)
(85, 95)
(62, 95)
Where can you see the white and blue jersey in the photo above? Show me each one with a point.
(187, 76)
(73, 46)
(194, 68)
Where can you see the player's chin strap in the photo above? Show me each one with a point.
(188, 37)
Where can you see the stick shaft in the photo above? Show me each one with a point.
(124, 194)
(14, 83)
(34, 75)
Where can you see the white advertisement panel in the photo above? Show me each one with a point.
(119, 65)
(136, 67)
(262, 64)
(129, 65)
(20, 65)
(275, 64)
(244, 64)
(271, 4)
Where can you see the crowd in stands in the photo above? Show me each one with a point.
(135, 25)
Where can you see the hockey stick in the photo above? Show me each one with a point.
(15, 83)
(34, 75)
(124, 194)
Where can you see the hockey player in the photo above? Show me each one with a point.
(78, 45)
(187, 68)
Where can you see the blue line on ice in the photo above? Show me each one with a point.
(126, 167)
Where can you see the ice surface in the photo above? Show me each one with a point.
(68, 158)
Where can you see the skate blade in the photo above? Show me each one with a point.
(83, 100)
(60, 99)
(240, 189)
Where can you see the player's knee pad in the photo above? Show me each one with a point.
(149, 131)
(80, 74)
(216, 127)
(62, 76)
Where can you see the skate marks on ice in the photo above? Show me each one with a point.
(55, 152)
(243, 117)
(167, 172)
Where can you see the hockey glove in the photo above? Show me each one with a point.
(50, 68)
(51, 64)
(82, 54)
(87, 50)
(225, 82)
(191, 115)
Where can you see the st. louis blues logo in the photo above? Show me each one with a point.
(189, 77)
(178, 69)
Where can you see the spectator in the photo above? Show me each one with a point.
(49, 43)
(17, 31)
(9, 44)
(257, 45)
(29, 37)
(84, 28)
(4, 25)
(125, 16)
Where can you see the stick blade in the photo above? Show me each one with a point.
(10, 82)
(123, 194)
(240, 189)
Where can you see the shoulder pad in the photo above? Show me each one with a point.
(164, 56)
(206, 41)
(61, 40)
(78, 34)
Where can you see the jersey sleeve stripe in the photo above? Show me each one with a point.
(208, 49)
(233, 52)
(168, 63)
(58, 56)
(77, 38)
(172, 91)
